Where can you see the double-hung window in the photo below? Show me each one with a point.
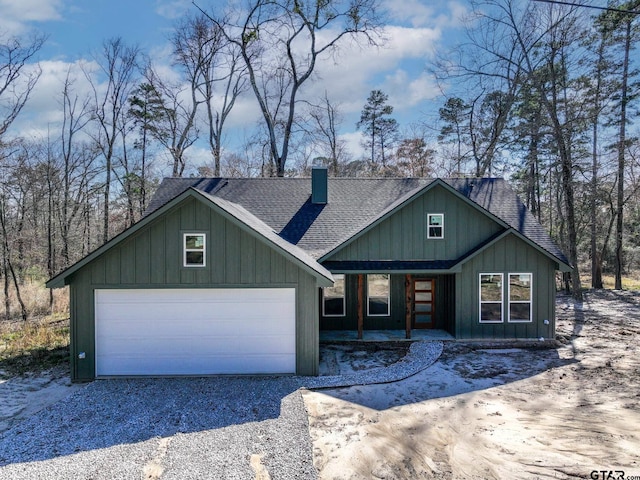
(333, 301)
(491, 297)
(435, 225)
(378, 295)
(194, 250)
(520, 297)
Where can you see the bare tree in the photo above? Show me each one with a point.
(280, 42)
(77, 159)
(16, 79)
(414, 157)
(322, 130)
(516, 44)
(175, 125)
(117, 67)
(218, 71)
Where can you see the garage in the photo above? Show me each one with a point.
(197, 331)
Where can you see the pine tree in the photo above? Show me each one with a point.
(381, 130)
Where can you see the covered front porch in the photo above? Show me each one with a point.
(388, 306)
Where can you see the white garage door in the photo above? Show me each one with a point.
(195, 331)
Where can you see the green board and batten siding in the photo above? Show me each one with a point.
(152, 258)
(508, 255)
(403, 235)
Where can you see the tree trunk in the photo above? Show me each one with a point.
(621, 159)
(5, 276)
(596, 258)
(9, 265)
(107, 188)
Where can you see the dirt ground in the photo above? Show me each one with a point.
(499, 413)
(22, 396)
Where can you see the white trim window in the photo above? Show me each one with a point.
(194, 247)
(520, 305)
(378, 295)
(491, 297)
(435, 225)
(333, 298)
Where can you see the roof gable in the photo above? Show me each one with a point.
(355, 205)
(405, 201)
(235, 213)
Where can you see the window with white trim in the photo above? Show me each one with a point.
(520, 297)
(333, 298)
(435, 225)
(194, 250)
(491, 297)
(378, 295)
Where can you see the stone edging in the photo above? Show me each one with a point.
(421, 355)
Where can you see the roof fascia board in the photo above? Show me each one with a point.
(418, 192)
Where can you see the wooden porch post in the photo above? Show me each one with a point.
(408, 288)
(360, 305)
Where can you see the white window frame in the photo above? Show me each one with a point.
(429, 236)
(369, 314)
(344, 303)
(530, 301)
(480, 301)
(185, 250)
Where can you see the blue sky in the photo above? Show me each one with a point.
(76, 29)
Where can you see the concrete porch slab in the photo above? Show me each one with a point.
(383, 335)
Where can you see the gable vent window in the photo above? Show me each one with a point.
(435, 225)
(195, 250)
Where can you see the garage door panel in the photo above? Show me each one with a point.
(186, 312)
(174, 316)
(195, 331)
(229, 345)
(209, 325)
(264, 364)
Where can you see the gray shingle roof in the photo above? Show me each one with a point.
(284, 204)
(267, 232)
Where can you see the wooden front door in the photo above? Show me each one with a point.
(423, 303)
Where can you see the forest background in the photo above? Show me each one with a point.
(541, 93)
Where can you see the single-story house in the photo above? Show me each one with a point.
(240, 275)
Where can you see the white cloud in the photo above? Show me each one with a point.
(349, 78)
(353, 143)
(406, 91)
(16, 14)
(42, 115)
(418, 13)
(173, 9)
(413, 11)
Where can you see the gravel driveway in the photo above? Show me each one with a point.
(182, 428)
(219, 427)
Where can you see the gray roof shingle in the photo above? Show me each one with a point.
(284, 204)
